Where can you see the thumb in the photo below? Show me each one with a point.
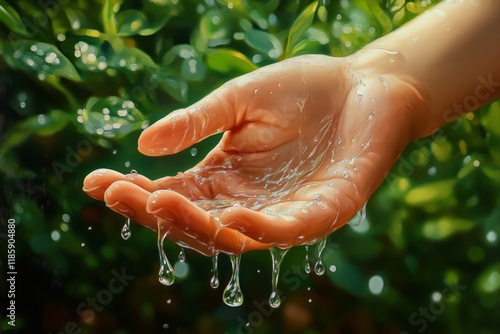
(182, 128)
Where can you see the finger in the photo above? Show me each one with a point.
(182, 128)
(312, 213)
(96, 183)
(268, 228)
(130, 200)
(199, 224)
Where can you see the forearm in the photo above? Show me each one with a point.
(451, 54)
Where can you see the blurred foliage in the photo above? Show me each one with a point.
(80, 79)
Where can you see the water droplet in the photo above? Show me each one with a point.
(127, 164)
(277, 256)
(194, 151)
(182, 255)
(360, 216)
(310, 300)
(382, 80)
(491, 236)
(376, 284)
(165, 326)
(308, 265)
(41, 119)
(214, 281)
(89, 228)
(82, 244)
(126, 233)
(233, 296)
(333, 268)
(436, 296)
(166, 274)
(319, 267)
(114, 151)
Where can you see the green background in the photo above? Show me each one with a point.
(80, 79)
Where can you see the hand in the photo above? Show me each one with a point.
(306, 142)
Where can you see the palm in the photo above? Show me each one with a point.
(306, 143)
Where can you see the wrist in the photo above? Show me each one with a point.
(449, 55)
(410, 98)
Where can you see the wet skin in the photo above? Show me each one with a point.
(306, 142)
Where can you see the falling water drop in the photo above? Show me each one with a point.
(319, 267)
(308, 265)
(360, 216)
(182, 255)
(277, 256)
(126, 233)
(194, 151)
(214, 281)
(166, 275)
(233, 296)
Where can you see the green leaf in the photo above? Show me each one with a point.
(111, 117)
(431, 193)
(130, 22)
(299, 28)
(42, 58)
(176, 87)
(444, 227)
(227, 61)
(109, 9)
(44, 125)
(193, 69)
(489, 280)
(264, 42)
(11, 19)
(187, 59)
(131, 58)
(305, 47)
(490, 119)
(211, 31)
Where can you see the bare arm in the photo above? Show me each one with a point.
(450, 54)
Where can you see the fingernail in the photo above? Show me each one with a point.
(122, 209)
(95, 192)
